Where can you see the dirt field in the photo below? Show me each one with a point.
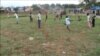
(53, 39)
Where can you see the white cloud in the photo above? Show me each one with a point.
(15, 3)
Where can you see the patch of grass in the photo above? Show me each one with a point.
(51, 40)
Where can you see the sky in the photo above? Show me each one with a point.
(15, 3)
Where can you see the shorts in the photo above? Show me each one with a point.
(67, 23)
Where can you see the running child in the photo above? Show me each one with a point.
(67, 22)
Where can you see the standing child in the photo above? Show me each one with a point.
(8, 14)
(61, 15)
(89, 21)
(46, 16)
(31, 19)
(79, 18)
(39, 20)
(17, 18)
(93, 19)
(67, 21)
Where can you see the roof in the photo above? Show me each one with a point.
(95, 8)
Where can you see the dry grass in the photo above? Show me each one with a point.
(52, 39)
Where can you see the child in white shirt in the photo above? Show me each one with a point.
(39, 20)
(17, 18)
(89, 20)
(67, 21)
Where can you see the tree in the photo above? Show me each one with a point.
(35, 7)
(16, 9)
(46, 6)
(65, 6)
(87, 1)
(59, 5)
(52, 5)
(90, 3)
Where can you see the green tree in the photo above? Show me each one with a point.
(52, 5)
(87, 1)
(16, 9)
(59, 5)
(46, 6)
(35, 7)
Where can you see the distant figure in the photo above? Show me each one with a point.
(17, 18)
(46, 16)
(30, 15)
(89, 21)
(39, 20)
(8, 14)
(93, 18)
(79, 18)
(57, 17)
(61, 16)
(67, 21)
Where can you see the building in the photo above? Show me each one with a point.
(97, 0)
(96, 8)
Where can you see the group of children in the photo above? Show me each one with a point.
(31, 19)
(90, 19)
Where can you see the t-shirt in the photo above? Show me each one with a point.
(88, 18)
(16, 16)
(39, 16)
(67, 21)
(93, 16)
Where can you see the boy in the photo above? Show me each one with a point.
(89, 21)
(79, 19)
(60, 15)
(93, 19)
(31, 19)
(39, 20)
(17, 18)
(46, 16)
(67, 21)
